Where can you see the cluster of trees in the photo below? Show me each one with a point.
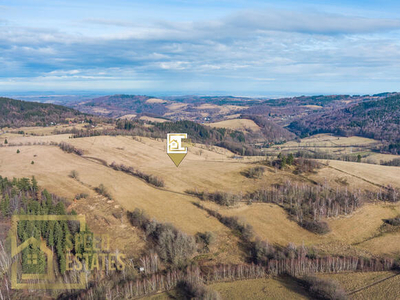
(17, 113)
(323, 288)
(221, 198)
(254, 172)
(196, 290)
(151, 179)
(389, 193)
(118, 105)
(302, 164)
(196, 277)
(284, 160)
(239, 148)
(269, 131)
(172, 245)
(23, 197)
(245, 231)
(70, 148)
(377, 119)
(307, 203)
(394, 162)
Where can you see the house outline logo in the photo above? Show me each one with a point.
(175, 142)
(176, 147)
(42, 246)
(15, 250)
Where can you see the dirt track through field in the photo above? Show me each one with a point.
(372, 284)
(358, 177)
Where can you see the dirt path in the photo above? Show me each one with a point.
(358, 177)
(372, 284)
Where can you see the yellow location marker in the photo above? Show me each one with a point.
(175, 148)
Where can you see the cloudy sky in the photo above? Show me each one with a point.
(238, 47)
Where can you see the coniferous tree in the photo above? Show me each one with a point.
(283, 161)
(290, 159)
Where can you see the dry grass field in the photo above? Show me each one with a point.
(252, 289)
(154, 120)
(269, 288)
(204, 168)
(156, 100)
(237, 124)
(372, 285)
(329, 144)
(376, 174)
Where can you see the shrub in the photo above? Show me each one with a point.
(256, 172)
(175, 246)
(393, 221)
(324, 289)
(138, 217)
(81, 195)
(319, 227)
(32, 162)
(74, 174)
(306, 165)
(151, 179)
(207, 237)
(221, 198)
(196, 290)
(246, 230)
(102, 190)
(395, 162)
(18, 151)
(70, 149)
(262, 251)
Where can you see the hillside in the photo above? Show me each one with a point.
(378, 119)
(119, 105)
(15, 113)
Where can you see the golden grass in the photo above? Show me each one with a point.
(156, 100)
(271, 223)
(356, 280)
(378, 157)
(237, 124)
(266, 288)
(204, 168)
(128, 117)
(52, 167)
(151, 119)
(382, 175)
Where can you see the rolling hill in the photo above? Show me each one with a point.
(378, 119)
(15, 113)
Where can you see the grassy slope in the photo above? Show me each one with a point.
(211, 170)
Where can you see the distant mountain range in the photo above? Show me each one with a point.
(376, 116)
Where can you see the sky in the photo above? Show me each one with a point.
(231, 47)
